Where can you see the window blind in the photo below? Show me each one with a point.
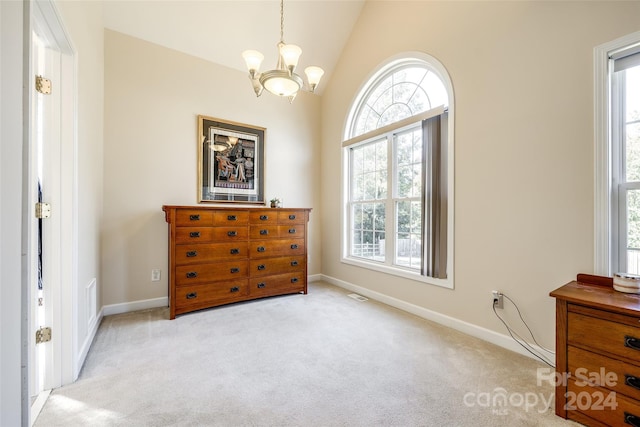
(627, 58)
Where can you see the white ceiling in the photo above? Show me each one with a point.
(219, 30)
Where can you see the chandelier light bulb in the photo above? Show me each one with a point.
(254, 59)
(314, 74)
(290, 55)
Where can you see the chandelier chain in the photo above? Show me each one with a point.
(282, 21)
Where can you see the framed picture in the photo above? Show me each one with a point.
(230, 162)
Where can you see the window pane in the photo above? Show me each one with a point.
(409, 234)
(632, 77)
(369, 171)
(368, 231)
(381, 179)
(380, 217)
(369, 161)
(633, 231)
(435, 89)
(416, 218)
(409, 158)
(402, 92)
(357, 189)
(394, 113)
(632, 123)
(632, 151)
(404, 217)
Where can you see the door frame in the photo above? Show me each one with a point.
(43, 15)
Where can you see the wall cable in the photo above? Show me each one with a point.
(520, 340)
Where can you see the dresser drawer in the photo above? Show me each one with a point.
(276, 247)
(230, 218)
(194, 235)
(268, 266)
(204, 253)
(603, 335)
(193, 218)
(211, 234)
(264, 217)
(263, 231)
(291, 217)
(291, 231)
(204, 273)
(602, 405)
(194, 297)
(277, 284)
(618, 376)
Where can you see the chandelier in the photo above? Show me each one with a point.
(282, 81)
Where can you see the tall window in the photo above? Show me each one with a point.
(625, 109)
(398, 173)
(617, 161)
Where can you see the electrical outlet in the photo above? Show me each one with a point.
(496, 297)
(155, 275)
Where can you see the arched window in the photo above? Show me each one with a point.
(398, 165)
(404, 89)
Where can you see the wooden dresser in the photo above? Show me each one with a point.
(598, 346)
(220, 255)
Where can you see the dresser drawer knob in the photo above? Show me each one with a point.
(194, 217)
(631, 342)
(631, 419)
(235, 251)
(294, 280)
(261, 285)
(294, 263)
(194, 234)
(232, 233)
(632, 381)
(292, 231)
(264, 217)
(192, 295)
(261, 249)
(292, 217)
(232, 218)
(191, 254)
(261, 267)
(264, 232)
(294, 246)
(235, 270)
(234, 289)
(192, 274)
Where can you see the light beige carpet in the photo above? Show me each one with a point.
(321, 359)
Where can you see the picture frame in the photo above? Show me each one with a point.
(230, 162)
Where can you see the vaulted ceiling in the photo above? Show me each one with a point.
(219, 30)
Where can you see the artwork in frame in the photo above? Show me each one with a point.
(230, 162)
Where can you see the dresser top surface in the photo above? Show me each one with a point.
(231, 208)
(598, 295)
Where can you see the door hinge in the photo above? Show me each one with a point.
(43, 85)
(43, 335)
(43, 210)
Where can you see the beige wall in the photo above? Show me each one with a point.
(523, 82)
(152, 98)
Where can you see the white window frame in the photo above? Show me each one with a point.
(435, 66)
(606, 242)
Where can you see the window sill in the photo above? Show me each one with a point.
(396, 271)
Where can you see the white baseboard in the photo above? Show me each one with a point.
(314, 278)
(493, 337)
(36, 407)
(86, 345)
(127, 307)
